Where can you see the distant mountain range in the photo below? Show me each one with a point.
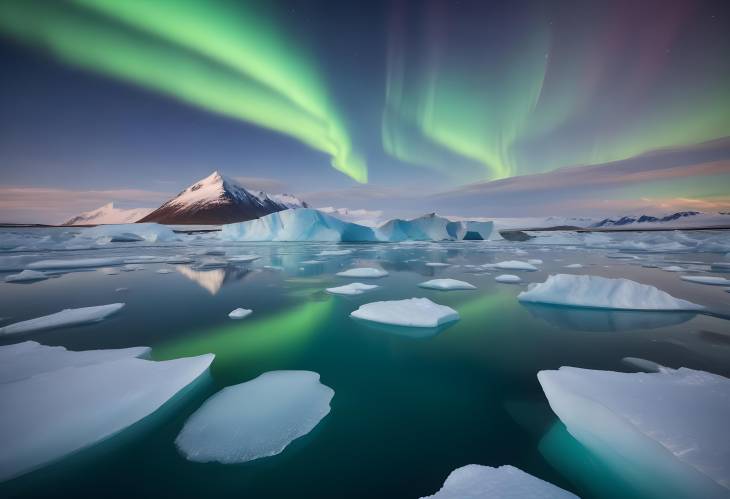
(213, 200)
(628, 220)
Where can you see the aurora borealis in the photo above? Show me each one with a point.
(426, 95)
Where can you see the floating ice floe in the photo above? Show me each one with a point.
(574, 266)
(355, 288)
(412, 312)
(446, 284)
(673, 268)
(706, 279)
(26, 359)
(515, 265)
(149, 232)
(27, 276)
(437, 264)
(109, 271)
(311, 262)
(534, 261)
(132, 267)
(256, 419)
(362, 272)
(334, 252)
(670, 425)
(508, 278)
(474, 481)
(602, 292)
(720, 266)
(164, 271)
(65, 318)
(76, 263)
(240, 313)
(56, 413)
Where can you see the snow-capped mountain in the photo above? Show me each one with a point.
(218, 200)
(108, 214)
(647, 219)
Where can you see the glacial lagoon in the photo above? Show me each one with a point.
(410, 405)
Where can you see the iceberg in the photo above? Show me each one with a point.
(602, 292)
(515, 265)
(53, 414)
(361, 272)
(304, 224)
(27, 276)
(508, 278)
(574, 266)
(412, 312)
(437, 264)
(669, 426)
(706, 279)
(255, 419)
(65, 318)
(77, 263)
(150, 232)
(355, 288)
(26, 359)
(240, 313)
(446, 284)
(474, 481)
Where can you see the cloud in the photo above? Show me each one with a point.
(50, 205)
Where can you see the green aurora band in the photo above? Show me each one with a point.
(207, 54)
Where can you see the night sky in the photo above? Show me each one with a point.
(468, 108)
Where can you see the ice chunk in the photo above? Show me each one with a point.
(150, 232)
(53, 414)
(445, 284)
(515, 265)
(65, 318)
(602, 292)
(27, 276)
(355, 288)
(23, 360)
(164, 271)
(534, 261)
(673, 268)
(574, 266)
(77, 263)
(436, 264)
(256, 419)
(508, 278)
(361, 272)
(672, 424)
(413, 312)
(474, 481)
(334, 252)
(706, 279)
(240, 313)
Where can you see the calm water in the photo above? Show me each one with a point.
(409, 406)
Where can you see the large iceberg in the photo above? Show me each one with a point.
(413, 312)
(55, 413)
(669, 426)
(307, 224)
(474, 481)
(602, 292)
(255, 419)
(65, 318)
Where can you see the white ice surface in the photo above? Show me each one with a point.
(474, 481)
(602, 292)
(355, 288)
(362, 272)
(64, 318)
(508, 278)
(255, 419)
(413, 312)
(515, 265)
(240, 313)
(54, 414)
(446, 284)
(673, 422)
(27, 276)
(26, 359)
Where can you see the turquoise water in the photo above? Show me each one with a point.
(409, 406)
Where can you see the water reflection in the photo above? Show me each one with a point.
(213, 280)
(598, 320)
